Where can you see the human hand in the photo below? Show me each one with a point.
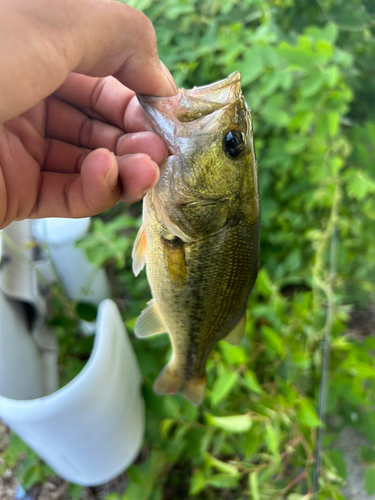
(63, 147)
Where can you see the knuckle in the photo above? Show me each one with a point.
(67, 197)
(143, 26)
(85, 134)
(148, 33)
(97, 93)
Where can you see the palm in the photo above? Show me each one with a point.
(22, 158)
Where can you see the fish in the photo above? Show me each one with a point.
(199, 237)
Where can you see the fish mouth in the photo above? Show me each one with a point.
(189, 105)
(168, 114)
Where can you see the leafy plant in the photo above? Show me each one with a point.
(30, 469)
(307, 74)
(314, 142)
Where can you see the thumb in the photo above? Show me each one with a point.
(42, 42)
(115, 39)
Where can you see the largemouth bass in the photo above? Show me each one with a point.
(200, 233)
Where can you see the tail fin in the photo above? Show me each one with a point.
(169, 382)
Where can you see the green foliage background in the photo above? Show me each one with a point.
(308, 77)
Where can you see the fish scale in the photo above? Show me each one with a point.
(200, 233)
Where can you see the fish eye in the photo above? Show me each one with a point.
(234, 143)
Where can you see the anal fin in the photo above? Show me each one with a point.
(149, 322)
(234, 337)
(139, 251)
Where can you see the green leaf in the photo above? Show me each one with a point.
(223, 481)
(331, 32)
(333, 120)
(175, 449)
(76, 490)
(136, 491)
(29, 471)
(270, 82)
(369, 478)
(111, 496)
(337, 458)
(350, 15)
(221, 466)
(359, 183)
(312, 84)
(367, 454)
(331, 75)
(254, 487)
(86, 311)
(165, 426)
(198, 482)
(307, 415)
(275, 110)
(367, 425)
(233, 354)
(157, 493)
(296, 144)
(222, 386)
(273, 341)
(272, 439)
(15, 448)
(64, 322)
(252, 383)
(251, 67)
(177, 10)
(235, 423)
(324, 51)
(136, 474)
(300, 55)
(32, 476)
(264, 284)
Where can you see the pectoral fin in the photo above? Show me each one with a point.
(169, 382)
(139, 252)
(149, 322)
(234, 337)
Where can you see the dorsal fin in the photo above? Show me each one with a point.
(139, 251)
(149, 322)
(234, 336)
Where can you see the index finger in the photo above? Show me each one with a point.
(102, 98)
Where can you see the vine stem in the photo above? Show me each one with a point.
(327, 287)
(295, 481)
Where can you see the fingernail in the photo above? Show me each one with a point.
(112, 174)
(127, 198)
(170, 78)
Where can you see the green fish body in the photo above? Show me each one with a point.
(200, 233)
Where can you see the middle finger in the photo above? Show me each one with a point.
(68, 124)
